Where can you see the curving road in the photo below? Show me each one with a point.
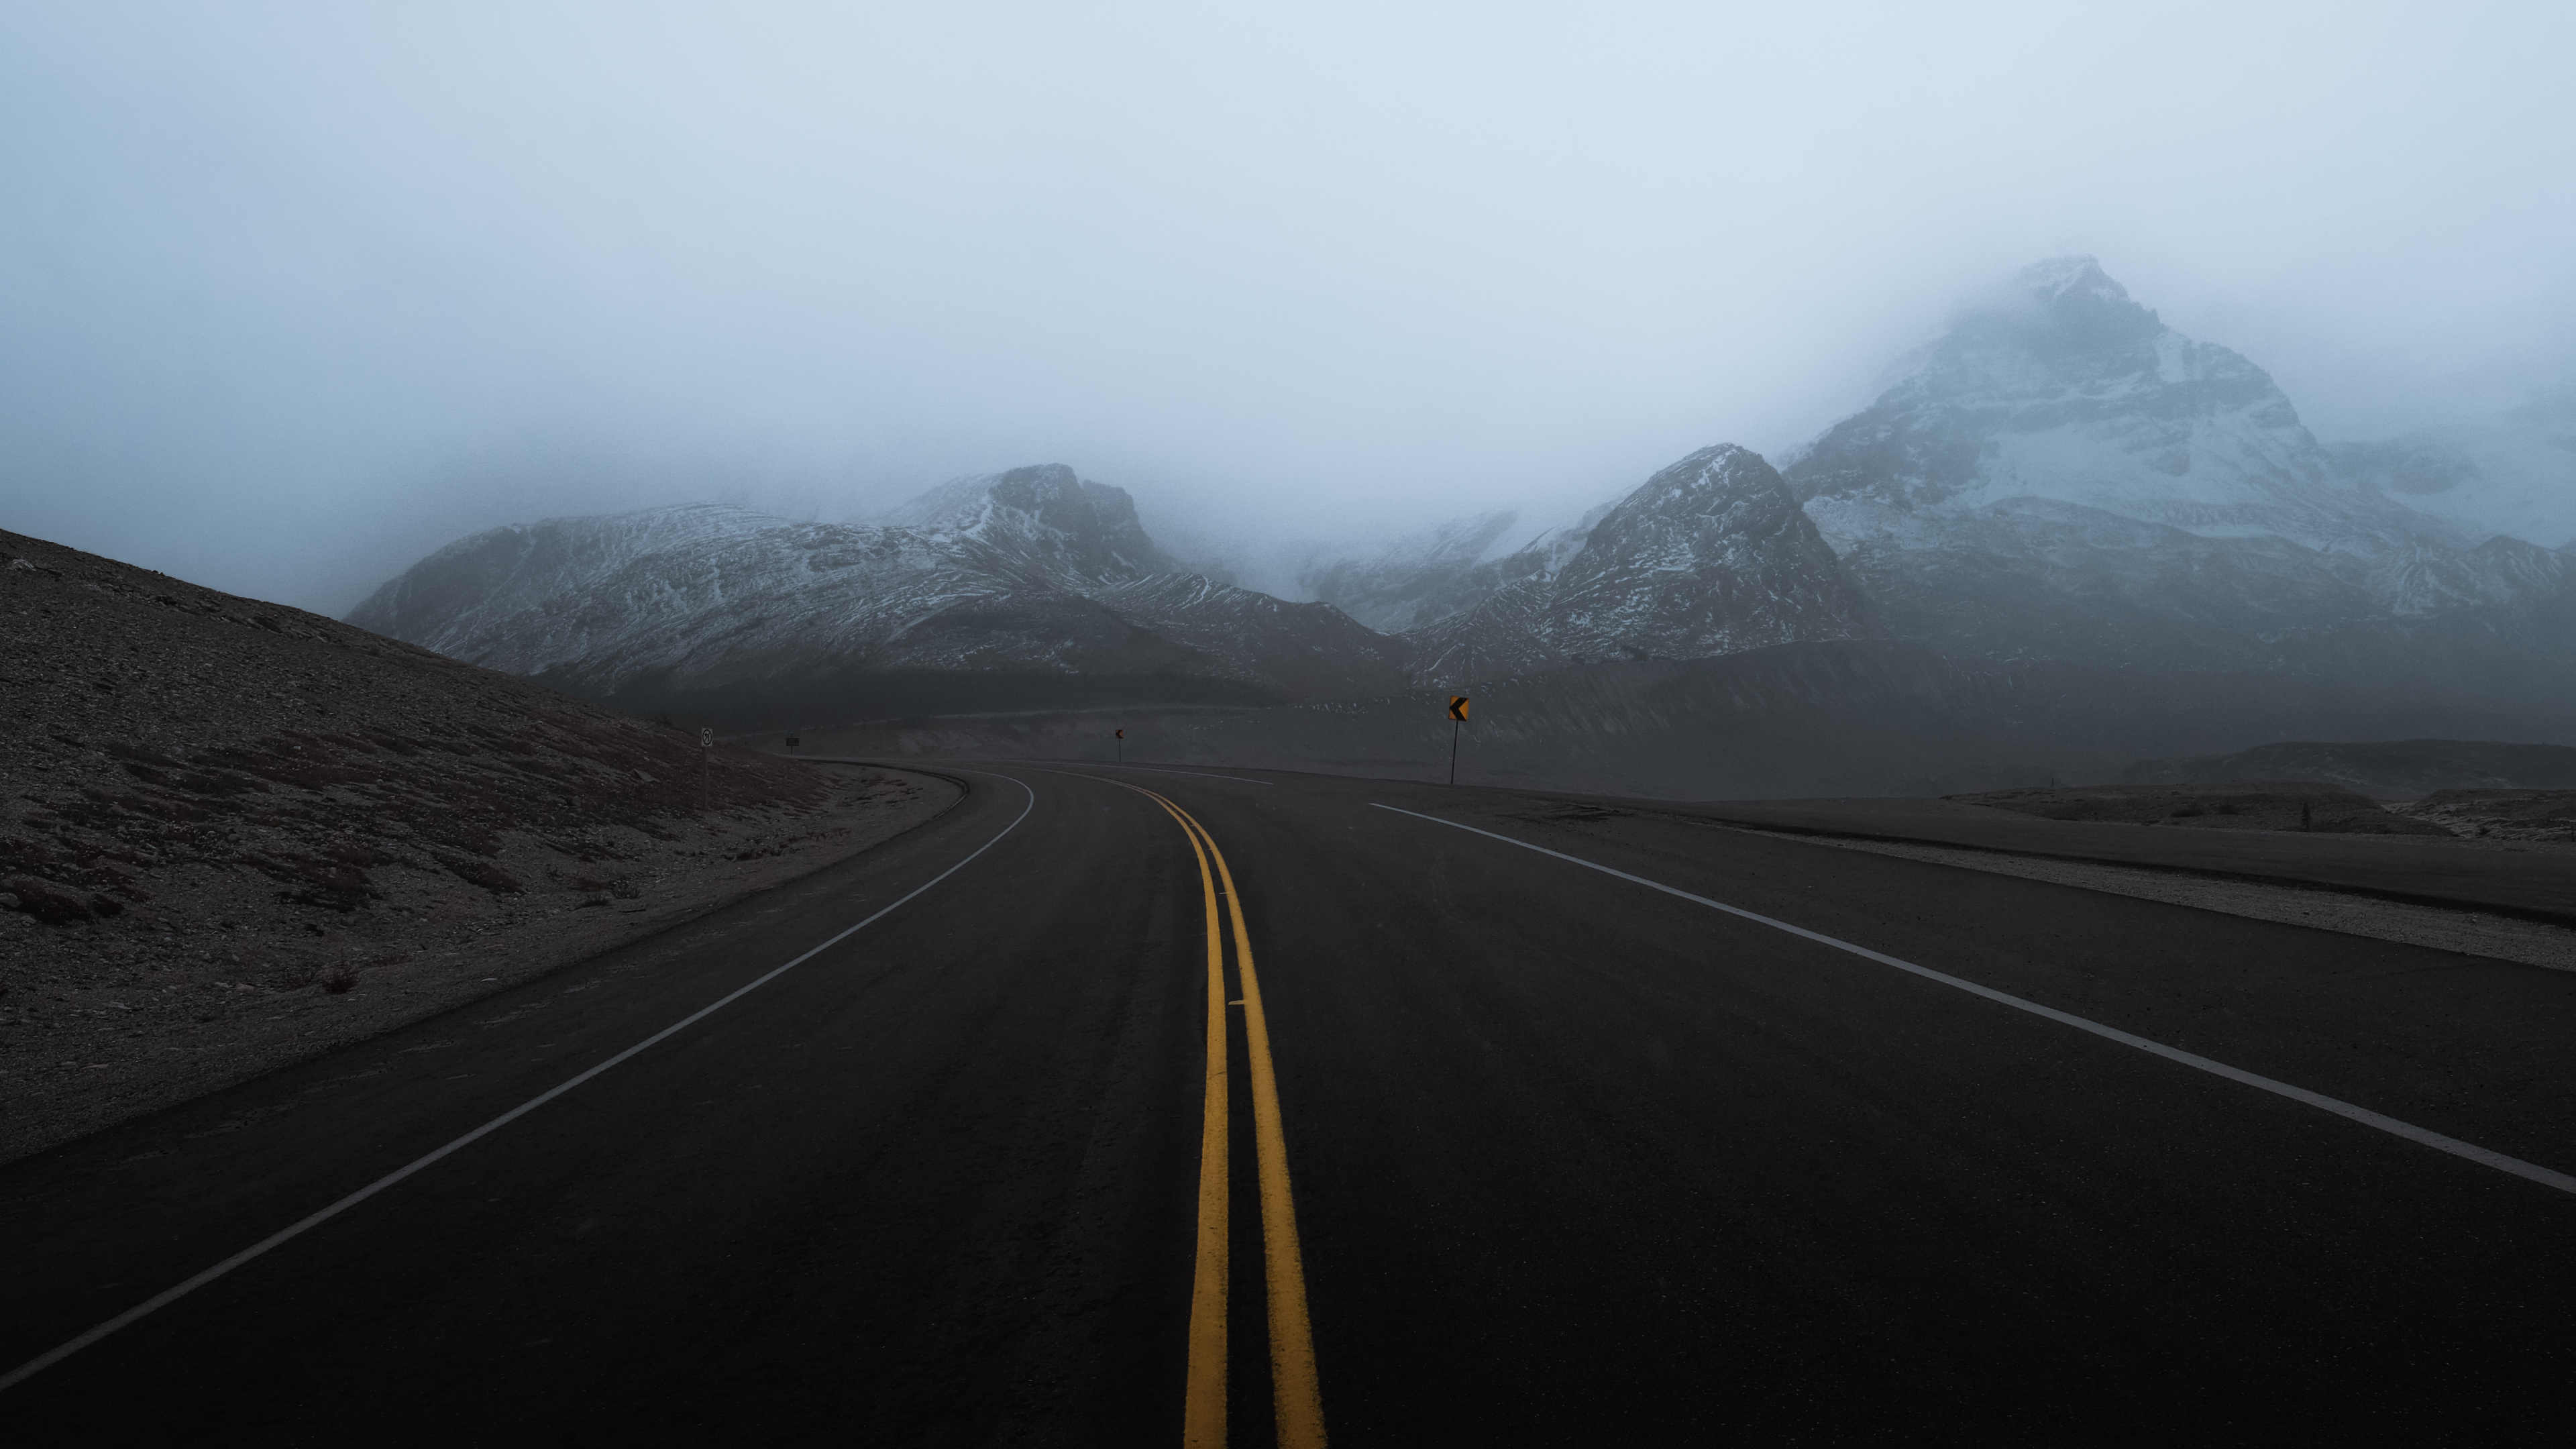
(1584, 1125)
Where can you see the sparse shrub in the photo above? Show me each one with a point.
(338, 980)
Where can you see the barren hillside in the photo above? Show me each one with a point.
(233, 834)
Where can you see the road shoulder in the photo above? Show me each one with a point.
(98, 1042)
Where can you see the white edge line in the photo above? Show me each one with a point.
(163, 1299)
(2363, 1115)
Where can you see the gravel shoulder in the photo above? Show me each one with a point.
(2443, 867)
(2469, 932)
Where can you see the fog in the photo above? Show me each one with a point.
(291, 294)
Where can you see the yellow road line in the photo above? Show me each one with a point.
(1204, 1401)
(1297, 1395)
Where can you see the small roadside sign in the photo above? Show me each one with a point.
(1458, 706)
(707, 738)
(1122, 734)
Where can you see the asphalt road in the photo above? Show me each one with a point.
(1570, 1160)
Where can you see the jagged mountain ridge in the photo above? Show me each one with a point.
(1043, 516)
(2061, 474)
(1030, 580)
(1031, 575)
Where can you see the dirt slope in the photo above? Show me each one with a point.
(234, 834)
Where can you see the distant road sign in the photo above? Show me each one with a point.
(707, 738)
(793, 742)
(1457, 706)
(1122, 734)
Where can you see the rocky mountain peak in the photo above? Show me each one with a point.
(2060, 463)
(1050, 493)
(2065, 307)
(2067, 390)
(1712, 555)
(1047, 517)
(2077, 279)
(1673, 518)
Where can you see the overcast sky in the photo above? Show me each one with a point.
(291, 294)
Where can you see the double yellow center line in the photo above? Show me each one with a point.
(1297, 1399)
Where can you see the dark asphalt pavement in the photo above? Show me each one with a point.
(1574, 1162)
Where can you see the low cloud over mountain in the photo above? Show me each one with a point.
(1014, 590)
(2059, 489)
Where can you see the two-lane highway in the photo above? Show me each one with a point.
(1617, 1139)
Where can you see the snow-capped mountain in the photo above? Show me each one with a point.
(1045, 518)
(2514, 475)
(2058, 474)
(1030, 574)
(1710, 556)
(2061, 465)
(2084, 519)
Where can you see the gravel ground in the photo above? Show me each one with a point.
(2303, 805)
(2474, 933)
(235, 835)
(2526, 815)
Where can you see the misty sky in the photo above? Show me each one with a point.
(291, 294)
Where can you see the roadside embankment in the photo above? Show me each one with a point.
(235, 835)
